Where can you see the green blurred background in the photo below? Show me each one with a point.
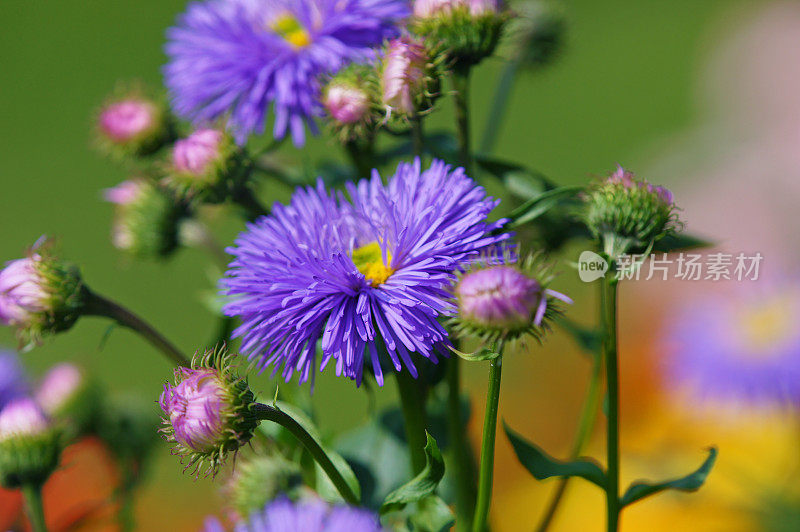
(626, 81)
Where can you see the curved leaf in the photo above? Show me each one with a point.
(543, 466)
(432, 515)
(421, 486)
(480, 355)
(680, 242)
(691, 482)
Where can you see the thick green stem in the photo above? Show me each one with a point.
(417, 136)
(499, 105)
(487, 445)
(585, 425)
(609, 302)
(461, 86)
(34, 507)
(413, 407)
(97, 305)
(269, 413)
(463, 463)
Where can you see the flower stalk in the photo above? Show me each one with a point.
(609, 303)
(464, 465)
(413, 406)
(461, 86)
(486, 475)
(32, 492)
(97, 305)
(269, 413)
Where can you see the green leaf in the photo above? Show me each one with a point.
(482, 354)
(680, 242)
(421, 486)
(587, 338)
(520, 181)
(691, 482)
(432, 515)
(324, 485)
(539, 205)
(543, 466)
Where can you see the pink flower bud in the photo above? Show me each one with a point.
(22, 417)
(22, 292)
(126, 120)
(125, 193)
(58, 387)
(197, 408)
(346, 104)
(500, 297)
(195, 154)
(403, 77)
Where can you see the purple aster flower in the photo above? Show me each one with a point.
(237, 58)
(283, 515)
(373, 270)
(13, 383)
(743, 347)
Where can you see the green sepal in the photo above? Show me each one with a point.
(691, 482)
(542, 466)
(421, 486)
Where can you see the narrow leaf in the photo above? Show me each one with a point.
(421, 486)
(691, 482)
(535, 207)
(680, 242)
(543, 466)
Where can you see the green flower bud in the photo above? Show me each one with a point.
(30, 446)
(262, 478)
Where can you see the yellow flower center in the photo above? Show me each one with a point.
(768, 325)
(369, 261)
(291, 30)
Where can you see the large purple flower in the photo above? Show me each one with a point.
(743, 347)
(238, 57)
(372, 270)
(283, 515)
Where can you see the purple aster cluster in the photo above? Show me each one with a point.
(238, 58)
(282, 515)
(741, 348)
(357, 274)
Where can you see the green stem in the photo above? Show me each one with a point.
(585, 425)
(252, 206)
(499, 105)
(461, 85)
(609, 302)
(269, 413)
(413, 407)
(417, 136)
(33, 503)
(487, 444)
(463, 463)
(97, 305)
(361, 155)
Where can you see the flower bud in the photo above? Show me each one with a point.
(346, 104)
(147, 218)
(466, 31)
(40, 294)
(29, 444)
(133, 125)
(261, 479)
(408, 78)
(66, 394)
(205, 163)
(629, 214)
(351, 101)
(537, 33)
(505, 301)
(208, 411)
